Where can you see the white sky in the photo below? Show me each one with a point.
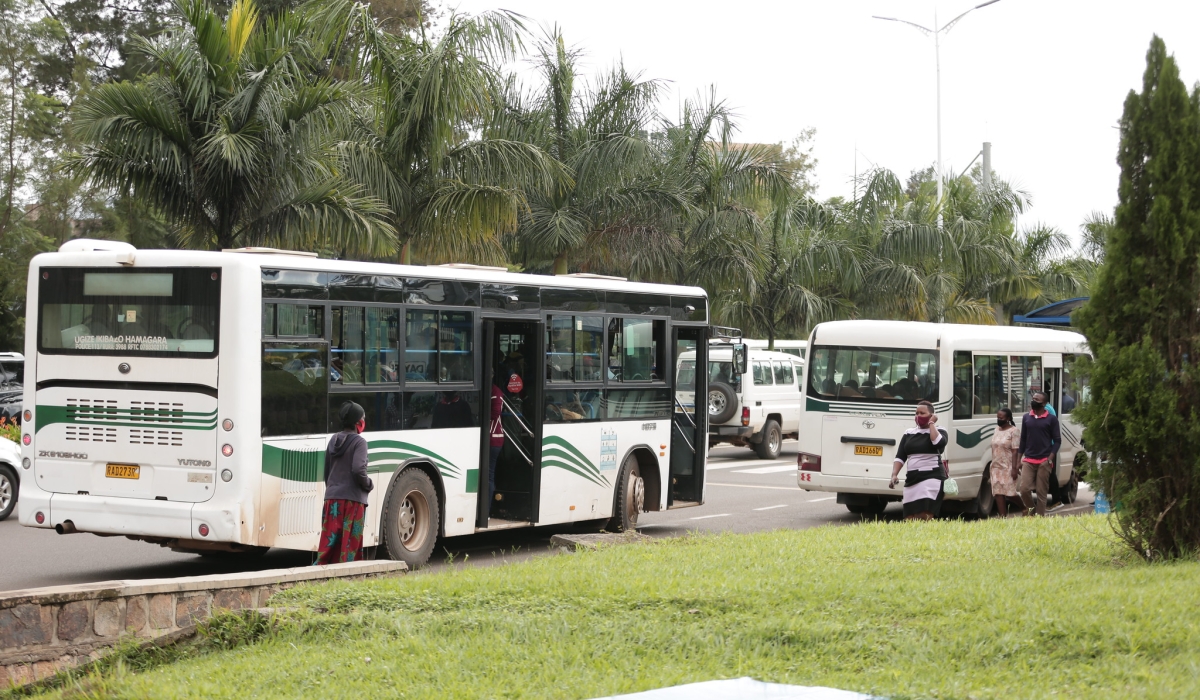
(1042, 80)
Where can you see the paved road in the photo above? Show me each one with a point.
(745, 494)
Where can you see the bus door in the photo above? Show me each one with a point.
(689, 425)
(512, 351)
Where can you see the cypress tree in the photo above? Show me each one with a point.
(1142, 322)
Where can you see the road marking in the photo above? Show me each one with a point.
(818, 500)
(754, 486)
(772, 507)
(706, 517)
(767, 470)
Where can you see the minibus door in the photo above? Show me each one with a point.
(689, 424)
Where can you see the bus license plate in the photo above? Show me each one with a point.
(868, 450)
(122, 471)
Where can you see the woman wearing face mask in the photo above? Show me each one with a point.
(1006, 443)
(921, 450)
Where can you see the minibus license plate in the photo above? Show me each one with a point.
(868, 450)
(122, 471)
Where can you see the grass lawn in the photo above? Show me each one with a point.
(998, 609)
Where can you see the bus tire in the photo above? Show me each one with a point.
(8, 490)
(771, 443)
(630, 497)
(410, 518)
(722, 402)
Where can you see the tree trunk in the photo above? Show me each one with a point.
(406, 254)
(560, 263)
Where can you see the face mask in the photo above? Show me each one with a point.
(923, 421)
(1036, 405)
(1001, 422)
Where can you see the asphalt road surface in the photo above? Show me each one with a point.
(745, 494)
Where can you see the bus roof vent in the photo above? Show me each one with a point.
(593, 276)
(469, 266)
(91, 245)
(270, 251)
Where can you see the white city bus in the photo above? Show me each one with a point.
(186, 398)
(864, 378)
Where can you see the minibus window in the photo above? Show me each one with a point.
(966, 402)
(991, 383)
(873, 374)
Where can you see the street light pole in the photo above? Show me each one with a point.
(936, 33)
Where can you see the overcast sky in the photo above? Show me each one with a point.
(1042, 80)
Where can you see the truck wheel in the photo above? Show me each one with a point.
(630, 499)
(771, 443)
(8, 491)
(722, 402)
(410, 518)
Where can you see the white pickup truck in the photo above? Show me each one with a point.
(753, 396)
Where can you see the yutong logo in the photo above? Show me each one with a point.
(62, 455)
(194, 463)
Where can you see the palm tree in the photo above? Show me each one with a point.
(916, 270)
(231, 134)
(423, 144)
(722, 181)
(614, 214)
(808, 272)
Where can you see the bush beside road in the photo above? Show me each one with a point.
(1002, 608)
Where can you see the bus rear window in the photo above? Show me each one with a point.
(873, 374)
(157, 311)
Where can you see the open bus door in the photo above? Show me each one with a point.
(689, 424)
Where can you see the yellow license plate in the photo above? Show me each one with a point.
(122, 471)
(868, 450)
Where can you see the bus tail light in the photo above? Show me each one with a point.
(745, 416)
(203, 530)
(40, 517)
(25, 439)
(227, 450)
(808, 463)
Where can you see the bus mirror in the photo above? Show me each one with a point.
(739, 359)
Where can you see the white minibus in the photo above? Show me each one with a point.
(185, 398)
(796, 348)
(864, 378)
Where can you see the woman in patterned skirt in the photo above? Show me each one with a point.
(346, 489)
(921, 451)
(1006, 444)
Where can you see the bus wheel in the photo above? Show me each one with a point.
(631, 497)
(410, 518)
(772, 441)
(8, 490)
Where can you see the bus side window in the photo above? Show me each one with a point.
(991, 383)
(1074, 387)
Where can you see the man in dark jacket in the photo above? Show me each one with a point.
(1040, 440)
(346, 489)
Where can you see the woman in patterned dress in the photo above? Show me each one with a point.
(1006, 442)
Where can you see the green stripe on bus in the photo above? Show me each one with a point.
(969, 440)
(70, 415)
(309, 465)
(568, 466)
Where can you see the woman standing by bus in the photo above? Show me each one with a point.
(1006, 443)
(921, 449)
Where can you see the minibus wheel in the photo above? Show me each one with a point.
(631, 497)
(8, 490)
(410, 518)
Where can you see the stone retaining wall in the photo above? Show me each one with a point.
(47, 630)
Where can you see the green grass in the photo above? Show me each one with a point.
(998, 609)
